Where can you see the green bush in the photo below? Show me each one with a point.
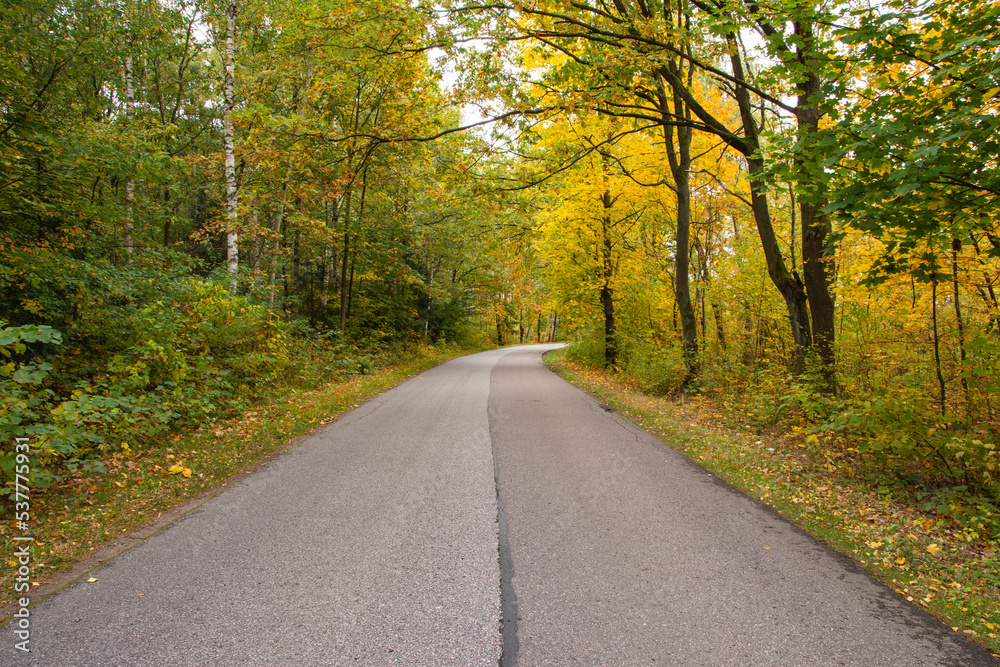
(25, 407)
(587, 349)
(176, 360)
(656, 369)
(906, 429)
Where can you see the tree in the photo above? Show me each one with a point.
(229, 142)
(593, 208)
(616, 61)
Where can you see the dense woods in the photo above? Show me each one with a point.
(790, 207)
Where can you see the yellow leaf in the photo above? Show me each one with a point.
(933, 548)
(91, 580)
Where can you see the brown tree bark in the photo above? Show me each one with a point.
(817, 255)
(607, 278)
(679, 158)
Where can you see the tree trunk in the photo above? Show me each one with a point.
(610, 345)
(679, 157)
(276, 220)
(607, 293)
(345, 260)
(430, 299)
(329, 255)
(345, 300)
(167, 219)
(942, 395)
(816, 259)
(256, 250)
(350, 288)
(296, 268)
(789, 285)
(130, 183)
(328, 262)
(720, 332)
(232, 194)
(956, 246)
(606, 246)
(816, 227)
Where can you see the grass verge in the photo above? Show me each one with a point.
(933, 563)
(75, 519)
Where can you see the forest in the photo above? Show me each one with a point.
(792, 207)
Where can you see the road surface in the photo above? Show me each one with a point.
(484, 512)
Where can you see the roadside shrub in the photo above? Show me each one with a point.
(25, 407)
(656, 369)
(587, 348)
(187, 356)
(907, 429)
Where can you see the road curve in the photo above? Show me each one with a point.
(483, 493)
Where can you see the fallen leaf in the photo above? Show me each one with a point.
(91, 580)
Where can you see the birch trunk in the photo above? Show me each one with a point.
(130, 183)
(232, 193)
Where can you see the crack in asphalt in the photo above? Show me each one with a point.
(508, 597)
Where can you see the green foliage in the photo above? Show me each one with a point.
(190, 355)
(24, 403)
(588, 350)
(981, 368)
(978, 516)
(656, 369)
(917, 153)
(903, 431)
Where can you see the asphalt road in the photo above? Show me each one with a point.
(483, 511)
